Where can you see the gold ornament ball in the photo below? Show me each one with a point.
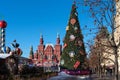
(67, 28)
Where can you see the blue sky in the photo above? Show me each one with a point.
(27, 19)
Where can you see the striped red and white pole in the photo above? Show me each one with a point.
(2, 37)
(3, 25)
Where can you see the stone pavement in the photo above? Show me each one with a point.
(96, 77)
(64, 76)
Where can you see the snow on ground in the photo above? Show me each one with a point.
(64, 76)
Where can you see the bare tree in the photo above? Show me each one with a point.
(104, 12)
(100, 48)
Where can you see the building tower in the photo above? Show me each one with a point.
(73, 55)
(58, 49)
(58, 39)
(3, 25)
(41, 39)
(41, 46)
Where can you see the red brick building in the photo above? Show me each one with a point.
(47, 55)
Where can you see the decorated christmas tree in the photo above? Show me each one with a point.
(73, 55)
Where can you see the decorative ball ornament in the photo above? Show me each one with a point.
(72, 21)
(67, 28)
(72, 37)
(8, 49)
(80, 43)
(19, 51)
(71, 54)
(81, 52)
(75, 28)
(11, 52)
(64, 45)
(3, 24)
(62, 62)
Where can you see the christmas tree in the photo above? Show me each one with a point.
(73, 55)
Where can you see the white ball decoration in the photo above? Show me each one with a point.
(72, 37)
(80, 43)
(75, 28)
(67, 28)
(71, 53)
(62, 62)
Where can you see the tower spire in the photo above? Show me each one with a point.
(58, 39)
(31, 53)
(41, 39)
(58, 35)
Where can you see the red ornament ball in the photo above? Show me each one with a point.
(19, 51)
(3, 24)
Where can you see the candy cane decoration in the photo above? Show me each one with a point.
(3, 25)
